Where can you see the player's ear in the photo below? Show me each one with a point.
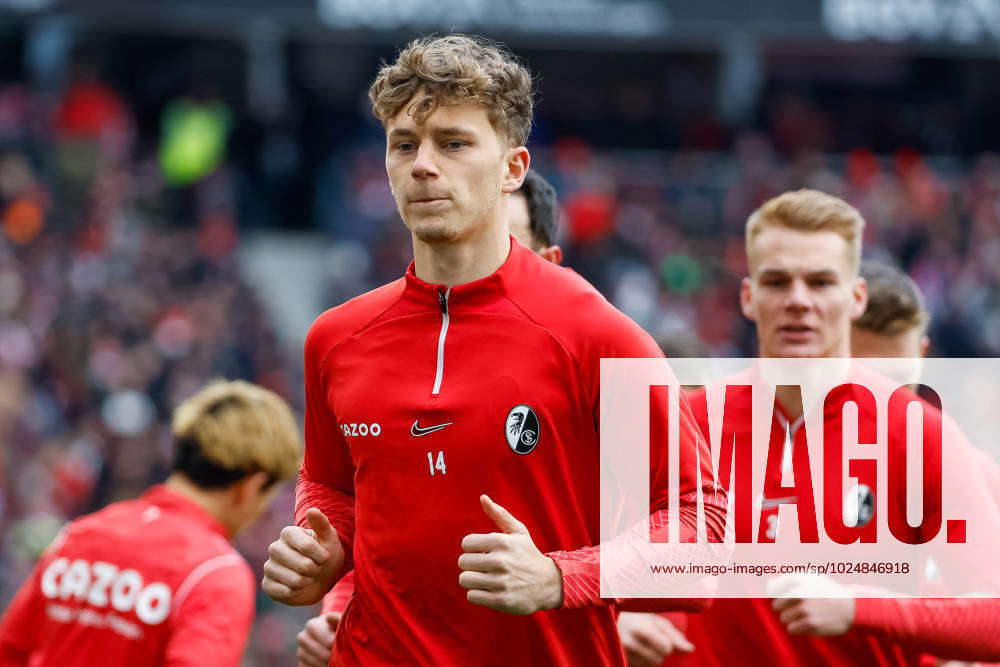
(250, 487)
(859, 294)
(552, 253)
(746, 297)
(517, 162)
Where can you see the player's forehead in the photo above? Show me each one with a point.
(446, 119)
(794, 252)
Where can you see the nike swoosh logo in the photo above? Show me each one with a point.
(417, 430)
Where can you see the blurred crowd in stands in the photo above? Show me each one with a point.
(120, 294)
(661, 232)
(119, 297)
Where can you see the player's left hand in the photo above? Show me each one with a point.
(316, 640)
(506, 571)
(810, 604)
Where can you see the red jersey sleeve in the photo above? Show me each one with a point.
(954, 629)
(622, 338)
(213, 615)
(19, 623)
(326, 480)
(973, 566)
(338, 597)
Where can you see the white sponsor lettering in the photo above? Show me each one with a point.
(153, 604)
(94, 619)
(60, 613)
(104, 573)
(361, 430)
(50, 587)
(125, 589)
(75, 581)
(102, 583)
(123, 627)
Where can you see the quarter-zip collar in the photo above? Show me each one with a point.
(481, 295)
(473, 295)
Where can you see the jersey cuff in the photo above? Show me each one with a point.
(870, 612)
(580, 580)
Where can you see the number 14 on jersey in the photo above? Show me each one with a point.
(436, 465)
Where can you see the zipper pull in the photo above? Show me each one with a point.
(443, 302)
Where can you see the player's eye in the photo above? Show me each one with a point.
(821, 282)
(454, 145)
(406, 146)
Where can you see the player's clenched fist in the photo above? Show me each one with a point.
(316, 640)
(650, 638)
(301, 564)
(506, 571)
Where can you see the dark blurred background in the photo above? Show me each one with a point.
(185, 185)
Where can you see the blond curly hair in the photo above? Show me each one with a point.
(457, 69)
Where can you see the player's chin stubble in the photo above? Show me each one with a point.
(433, 231)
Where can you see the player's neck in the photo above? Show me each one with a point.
(790, 399)
(213, 502)
(789, 396)
(476, 256)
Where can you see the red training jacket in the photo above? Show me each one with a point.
(419, 398)
(151, 581)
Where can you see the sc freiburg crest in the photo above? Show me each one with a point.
(859, 506)
(521, 429)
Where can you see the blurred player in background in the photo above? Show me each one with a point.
(895, 326)
(477, 371)
(156, 581)
(533, 217)
(803, 293)
(895, 322)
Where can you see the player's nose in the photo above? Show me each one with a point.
(425, 163)
(798, 296)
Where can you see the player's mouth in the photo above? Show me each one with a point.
(429, 200)
(797, 333)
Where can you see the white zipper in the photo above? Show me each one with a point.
(791, 429)
(439, 374)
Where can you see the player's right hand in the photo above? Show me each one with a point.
(316, 640)
(301, 564)
(649, 638)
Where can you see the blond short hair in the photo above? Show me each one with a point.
(457, 69)
(809, 211)
(239, 428)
